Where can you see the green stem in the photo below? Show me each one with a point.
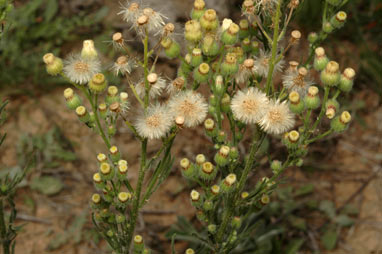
(3, 230)
(272, 63)
(326, 96)
(138, 190)
(248, 166)
(320, 136)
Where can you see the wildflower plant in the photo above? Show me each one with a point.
(8, 185)
(237, 63)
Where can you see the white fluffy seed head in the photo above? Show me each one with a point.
(190, 105)
(278, 118)
(81, 70)
(249, 106)
(155, 123)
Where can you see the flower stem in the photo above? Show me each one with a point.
(3, 230)
(272, 63)
(248, 166)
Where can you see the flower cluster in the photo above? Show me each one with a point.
(236, 63)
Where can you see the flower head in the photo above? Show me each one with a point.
(131, 12)
(176, 85)
(156, 83)
(80, 70)
(190, 105)
(245, 71)
(278, 118)
(155, 123)
(261, 66)
(249, 106)
(267, 6)
(297, 80)
(122, 65)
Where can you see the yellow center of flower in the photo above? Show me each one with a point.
(275, 116)
(249, 106)
(153, 121)
(81, 67)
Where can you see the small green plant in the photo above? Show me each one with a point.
(6, 7)
(8, 185)
(237, 64)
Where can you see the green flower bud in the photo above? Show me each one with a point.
(231, 35)
(102, 109)
(229, 65)
(111, 130)
(120, 218)
(112, 95)
(209, 126)
(296, 105)
(123, 199)
(300, 162)
(138, 244)
(226, 103)
(98, 83)
(219, 85)
(244, 29)
(210, 46)
(202, 73)
(331, 107)
(96, 201)
(208, 205)
(320, 59)
(114, 154)
(208, 171)
(211, 228)
(265, 199)
(201, 216)
(347, 80)
(312, 37)
(88, 50)
(215, 189)
(276, 166)
(171, 47)
(229, 183)
(221, 137)
(221, 158)
(107, 172)
(82, 114)
(122, 171)
(53, 64)
(340, 123)
(193, 31)
(110, 233)
(190, 251)
(198, 10)
(312, 99)
(146, 251)
(255, 47)
(72, 99)
(236, 222)
(209, 20)
(339, 19)
(331, 76)
(196, 57)
(188, 171)
(99, 184)
(246, 45)
(212, 100)
(233, 153)
(292, 139)
(196, 199)
(328, 28)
